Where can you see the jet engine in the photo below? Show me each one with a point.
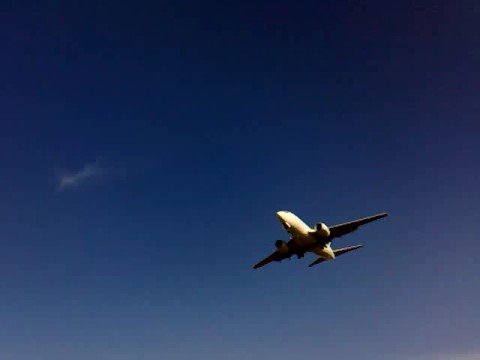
(322, 230)
(281, 246)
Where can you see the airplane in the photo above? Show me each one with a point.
(318, 240)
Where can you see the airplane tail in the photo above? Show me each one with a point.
(337, 252)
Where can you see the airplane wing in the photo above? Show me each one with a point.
(285, 253)
(337, 252)
(346, 228)
(275, 256)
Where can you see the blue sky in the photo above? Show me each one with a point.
(146, 148)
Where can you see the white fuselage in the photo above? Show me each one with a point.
(303, 235)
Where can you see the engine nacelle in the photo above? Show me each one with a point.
(282, 246)
(322, 230)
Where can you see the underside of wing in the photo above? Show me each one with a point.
(337, 252)
(285, 250)
(346, 228)
(275, 256)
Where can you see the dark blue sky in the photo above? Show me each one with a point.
(146, 148)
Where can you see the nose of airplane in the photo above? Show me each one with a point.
(280, 214)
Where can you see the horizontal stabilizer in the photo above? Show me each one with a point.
(337, 252)
(318, 261)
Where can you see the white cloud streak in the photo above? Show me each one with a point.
(75, 179)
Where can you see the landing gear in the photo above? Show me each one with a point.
(300, 255)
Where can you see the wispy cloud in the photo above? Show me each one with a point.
(464, 356)
(75, 179)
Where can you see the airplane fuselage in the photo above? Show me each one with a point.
(303, 235)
